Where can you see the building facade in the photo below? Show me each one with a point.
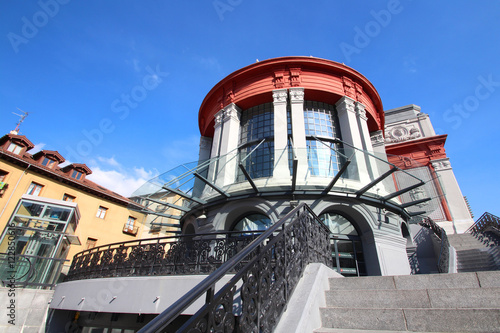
(49, 212)
(274, 134)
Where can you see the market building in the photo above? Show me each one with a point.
(275, 135)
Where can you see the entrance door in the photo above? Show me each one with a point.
(348, 255)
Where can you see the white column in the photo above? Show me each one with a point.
(281, 169)
(460, 214)
(228, 145)
(216, 144)
(299, 130)
(203, 156)
(350, 131)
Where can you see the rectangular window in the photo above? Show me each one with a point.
(48, 162)
(130, 222)
(67, 197)
(13, 148)
(76, 174)
(34, 189)
(91, 243)
(101, 212)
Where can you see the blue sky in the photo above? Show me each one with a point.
(74, 65)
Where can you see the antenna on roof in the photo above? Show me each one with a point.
(18, 125)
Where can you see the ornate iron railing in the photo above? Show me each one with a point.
(484, 222)
(444, 251)
(268, 270)
(174, 255)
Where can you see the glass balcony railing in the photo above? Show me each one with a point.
(322, 169)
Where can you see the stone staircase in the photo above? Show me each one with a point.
(461, 302)
(475, 253)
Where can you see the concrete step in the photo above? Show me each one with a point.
(424, 281)
(417, 298)
(410, 319)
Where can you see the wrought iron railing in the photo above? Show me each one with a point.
(268, 270)
(175, 255)
(444, 251)
(485, 221)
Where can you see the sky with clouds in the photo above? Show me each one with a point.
(118, 84)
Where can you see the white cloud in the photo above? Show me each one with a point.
(109, 161)
(37, 148)
(109, 173)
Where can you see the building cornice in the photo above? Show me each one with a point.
(322, 80)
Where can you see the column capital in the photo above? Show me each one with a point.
(441, 164)
(360, 111)
(296, 95)
(232, 111)
(377, 138)
(219, 117)
(345, 104)
(279, 96)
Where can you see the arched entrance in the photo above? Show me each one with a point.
(347, 249)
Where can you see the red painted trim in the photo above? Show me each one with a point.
(420, 151)
(323, 80)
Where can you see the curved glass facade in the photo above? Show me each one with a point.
(321, 121)
(257, 123)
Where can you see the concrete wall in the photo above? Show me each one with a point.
(28, 309)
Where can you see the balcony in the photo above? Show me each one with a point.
(130, 230)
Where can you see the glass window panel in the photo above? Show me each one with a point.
(253, 222)
(30, 209)
(338, 224)
(57, 213)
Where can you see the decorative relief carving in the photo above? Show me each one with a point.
(360, 111)
(377, 138)
(418, 194)
(359, 91)
(401, 133)
(279, 96)
(279, 79)
(219, 117)
(295, 77)
(441, 165)
(349, 89)
(345, 104)
(296, 94)
(232, 112)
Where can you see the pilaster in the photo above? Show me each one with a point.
(280, 134)
(298, 130)
(350, 129)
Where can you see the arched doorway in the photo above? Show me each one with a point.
(252, 222)
(347, 249)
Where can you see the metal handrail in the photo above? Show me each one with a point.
(444, 251)
(172, 255)
(207, 286)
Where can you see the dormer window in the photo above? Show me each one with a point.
(76, 174)
(49, 163)
(14, 148)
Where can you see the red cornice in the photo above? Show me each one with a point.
(421, 151)
(323, 80)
